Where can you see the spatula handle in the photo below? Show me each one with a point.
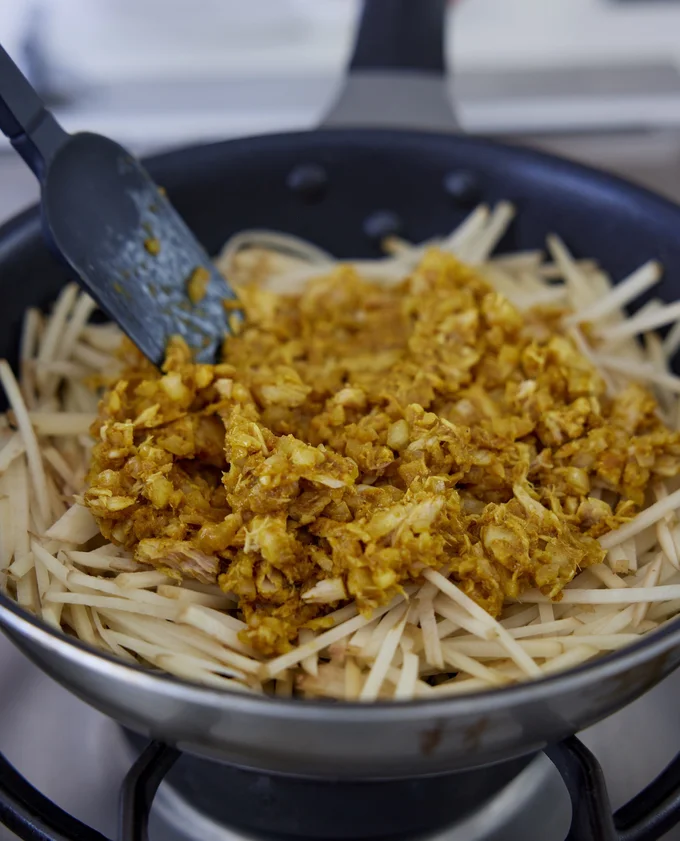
(31, 128)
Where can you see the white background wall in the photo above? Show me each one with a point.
(111, 39)
(231, 67)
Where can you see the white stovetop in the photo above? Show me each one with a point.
(75, 756)
(125, 38)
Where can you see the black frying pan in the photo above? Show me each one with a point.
(344, 188)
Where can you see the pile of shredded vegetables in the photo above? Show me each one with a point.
(432, 473)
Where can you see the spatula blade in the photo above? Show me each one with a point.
(115, 228)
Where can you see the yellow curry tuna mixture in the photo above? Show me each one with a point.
(355, 434)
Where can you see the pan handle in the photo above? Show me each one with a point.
(647, 817)
(397, 75)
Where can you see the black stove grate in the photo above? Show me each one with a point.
(256, 803)
(647, 817)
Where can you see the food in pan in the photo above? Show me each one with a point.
(428, 474)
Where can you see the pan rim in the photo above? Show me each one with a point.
(523, 154)
(482, 702)
(15, 620)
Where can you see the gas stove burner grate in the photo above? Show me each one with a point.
(32, 817)
(316, 808)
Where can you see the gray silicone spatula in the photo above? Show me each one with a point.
(110, 223)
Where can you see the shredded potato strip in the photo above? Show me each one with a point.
(61, 423)
(480, 248)
(327, 638)
(643, 520)
(109, 640)
(379, 635)
(220, 626)
(620, 296)
(378, 672)
(630, 595)
(456, 595)
(406, 685)
(642, 322)
(54, 331)
(461, 618)
(640, 371)
(467, 232)
(607, 577)
(30, 442)
(12, 449)
(668, 539)
(186, 639)
(651, 579)
(309, 664)
(122, 604)
(29, 337)
(428, 623)
(82, 311)
(462, 662)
